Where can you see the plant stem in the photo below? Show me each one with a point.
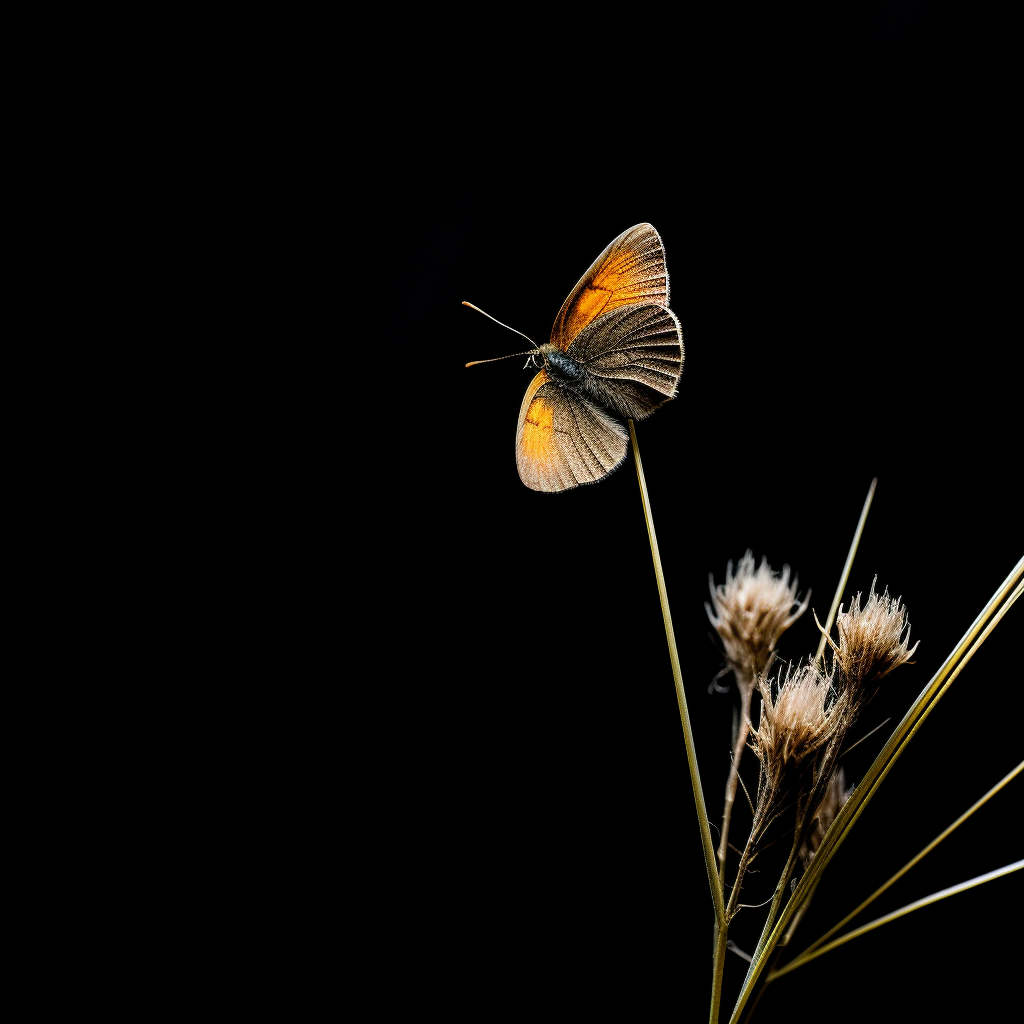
(780, 890)
(797, 918)
(760, 991)
(846, 570)
(741, 870)
(734, 771)
(803, 957)
(718, 967)
(804, 819)
(698, 794)
(909, 908)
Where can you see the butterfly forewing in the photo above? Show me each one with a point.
(630, 272)
(563, 440)
(633, 358)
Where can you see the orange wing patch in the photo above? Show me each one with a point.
(563, 440)
(536, 448)
(592, 301)
(538, 434)
(631, 271)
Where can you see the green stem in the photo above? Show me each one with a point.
(698, 794)
(909, 908)
(760, 991)
(804, 956)
(846, 570)
(718, 967)
(780, 891)
(804, 819)
(797, 917)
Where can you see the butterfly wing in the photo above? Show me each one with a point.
(563, 440)
(633, 357)
(630, 272)
(632, 349)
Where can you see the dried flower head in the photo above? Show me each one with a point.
(831, 804)
(799, 714)
(752, 609)
(873, 641)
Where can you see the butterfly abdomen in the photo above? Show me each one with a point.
(561, 367)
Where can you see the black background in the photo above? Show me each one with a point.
(840, 243)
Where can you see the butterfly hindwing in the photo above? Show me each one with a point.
(563, 440)
(630, 272)
(633, 358)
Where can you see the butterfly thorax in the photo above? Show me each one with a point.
(559, 366)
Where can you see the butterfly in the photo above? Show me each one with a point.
(615, 346)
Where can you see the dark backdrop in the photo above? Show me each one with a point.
(839, 263)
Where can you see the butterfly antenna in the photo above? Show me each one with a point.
(512, 329)
(477, 362)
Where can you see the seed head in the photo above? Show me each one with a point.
(799, 714)
(752, 609)
(873, 641)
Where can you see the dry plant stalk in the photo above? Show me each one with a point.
(752, 609)
(802, 724)
(832, 803)
(806, 712)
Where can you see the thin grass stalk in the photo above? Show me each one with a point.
(804, 820)
(799, 834)
(718, 967)
(846, 569)
(797, 918)
(839, 829)
(909, 908)
(746, 858)
(910, 863)
(760, 992)
(734, 775)
(698, 794)
(783, 882)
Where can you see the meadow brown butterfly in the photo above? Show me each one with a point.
(615, 345)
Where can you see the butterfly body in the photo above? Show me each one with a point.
(615, 347)
(560, 366)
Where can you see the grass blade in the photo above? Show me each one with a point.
(910, 863)
(909, 908)
(698, 794)
(846, 570)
